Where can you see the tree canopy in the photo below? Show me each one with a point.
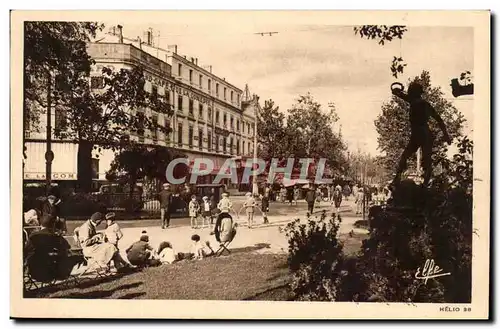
(53, 49)
(305, 131)
(101, 115)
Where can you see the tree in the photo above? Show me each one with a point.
(95, 118)
(105, 118)
(311, 133)
(142, 162)
(383, 34)
(394, 129)
(272, 131)
(53, 49)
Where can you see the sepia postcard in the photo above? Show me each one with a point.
(250, 164)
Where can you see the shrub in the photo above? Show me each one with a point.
(435, 224)
(422, 224)
(315, 258)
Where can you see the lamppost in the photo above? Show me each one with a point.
(255, 187)
(49, 155)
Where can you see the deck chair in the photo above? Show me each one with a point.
(223, 246)
(90, 263)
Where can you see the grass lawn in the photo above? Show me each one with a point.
(241, 276)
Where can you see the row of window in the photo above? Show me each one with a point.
(98, 82)
(209, 85)
(218, 144)
(217, 116)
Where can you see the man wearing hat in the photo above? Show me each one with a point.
(50, 214)
(140, 253)
(165, 198)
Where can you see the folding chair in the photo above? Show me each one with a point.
(223, 247)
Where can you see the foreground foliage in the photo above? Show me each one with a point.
(433, 224)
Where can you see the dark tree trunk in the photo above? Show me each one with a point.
(132, 183)
(85, 166)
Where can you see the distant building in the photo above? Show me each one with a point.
(211, 119)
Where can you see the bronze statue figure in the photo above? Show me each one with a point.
(421, 136)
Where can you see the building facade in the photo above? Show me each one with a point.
(211, 119)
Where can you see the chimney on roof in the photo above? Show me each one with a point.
(149, 39)
(184, 57)
(196, 61)
(172, 48)
(140, 42)
(120, 33)
(207, 67)
(192, 60)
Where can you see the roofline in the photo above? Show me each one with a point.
(185, 60)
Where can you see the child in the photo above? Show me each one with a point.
(225, 205)
(249, 204)
(166, 253)
(141, 254)
(296, 195)
(199, 250)
(113, 232)
(194, 208)
(207, 212)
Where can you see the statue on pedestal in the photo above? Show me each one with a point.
(421, 137)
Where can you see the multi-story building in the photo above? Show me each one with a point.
(211, 119)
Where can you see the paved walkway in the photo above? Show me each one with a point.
(263, 238)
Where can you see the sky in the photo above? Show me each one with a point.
(329, 61)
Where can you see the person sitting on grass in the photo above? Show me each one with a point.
(141, 254)
(199, 249)
(113, 232)
(166, 254)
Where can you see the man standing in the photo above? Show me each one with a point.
(310, 198)
(165, 197)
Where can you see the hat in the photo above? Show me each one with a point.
(51, 197)
(96, 217)
(166, 184)
(144, 232)
(248, 194)
(110, 215)
(205, 197)
(225, 194)
(145, 238)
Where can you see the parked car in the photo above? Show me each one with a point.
(117, 197)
